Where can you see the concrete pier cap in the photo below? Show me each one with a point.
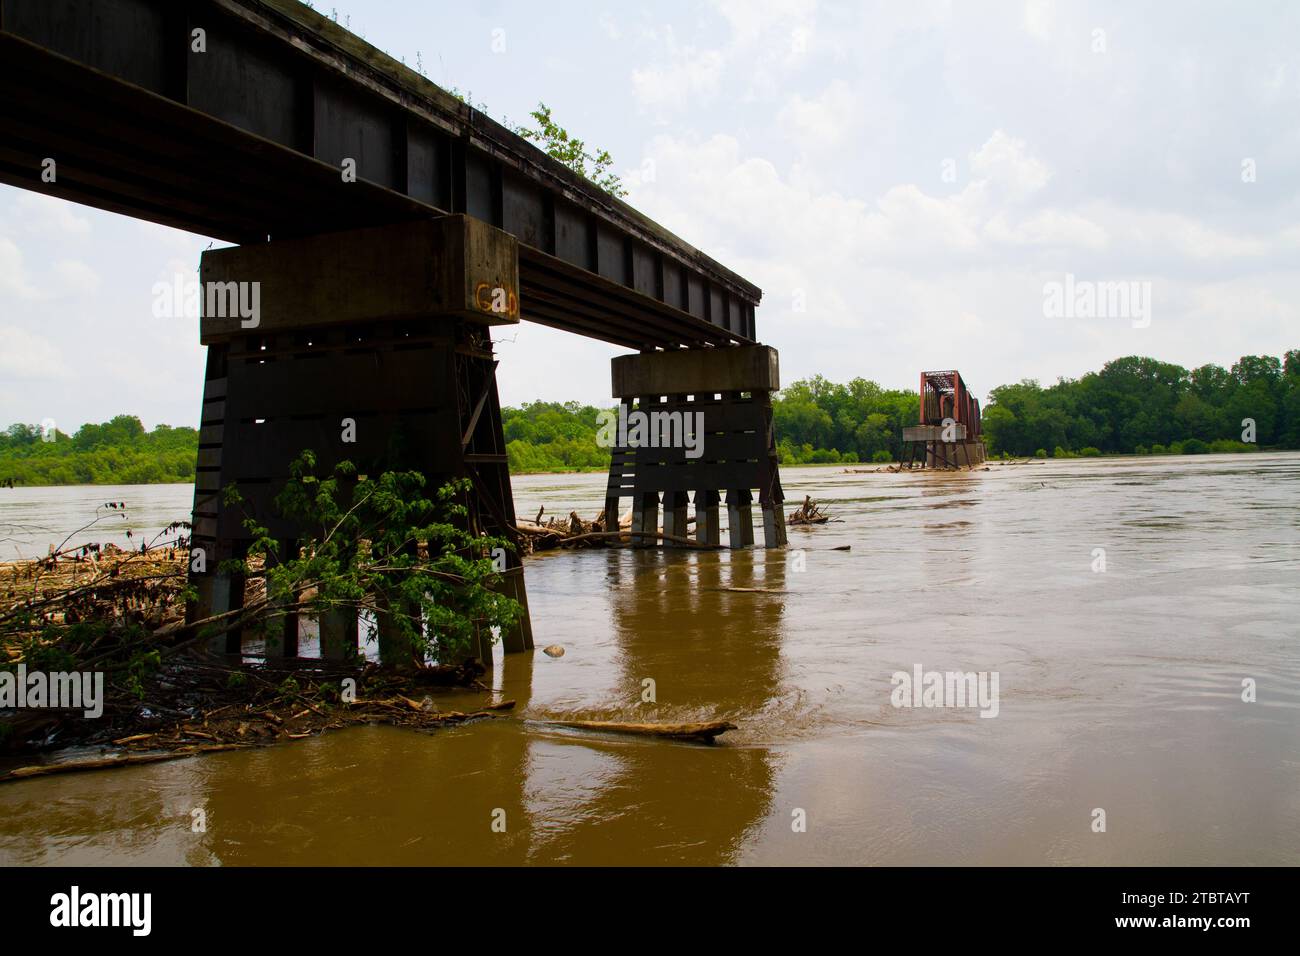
(432, 268)
(737, 368)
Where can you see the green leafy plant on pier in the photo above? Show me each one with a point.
(379, 546)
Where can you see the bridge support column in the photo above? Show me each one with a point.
(281, 634)
(645, 519)
(774, 532)
(338, 635)
(219, 593)
(675, 520)
(708, 528)
(702, 422)
(740, 517)
(369, 346)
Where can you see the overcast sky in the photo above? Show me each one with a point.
(902, 180)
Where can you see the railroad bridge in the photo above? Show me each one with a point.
(385, 227)
(947, 432)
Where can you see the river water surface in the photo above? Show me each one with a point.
(1119, 690)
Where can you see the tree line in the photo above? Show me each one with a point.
(116, 452)
(1133, 405)
(1138, 405)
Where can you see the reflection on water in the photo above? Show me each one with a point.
(1119, 690)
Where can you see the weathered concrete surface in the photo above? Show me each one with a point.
(453, 265)
(741, 368)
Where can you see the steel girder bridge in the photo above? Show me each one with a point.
(233, 119)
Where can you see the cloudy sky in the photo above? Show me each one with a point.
(903, 180)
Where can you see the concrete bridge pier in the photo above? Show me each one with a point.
(697, 421)
(370, 346)
(708, 527)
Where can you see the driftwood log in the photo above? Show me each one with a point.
(107, 763)
(703, 732)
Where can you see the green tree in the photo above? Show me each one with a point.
(380, 546)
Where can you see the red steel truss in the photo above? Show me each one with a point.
(945, 395)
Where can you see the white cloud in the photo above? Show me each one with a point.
(1006, 163)
(912, 278)
(821, 121)
(688, 76)
(1038, 18)
(28, 356)
(752, 19)
(1177, 235)
(67, 277)
(609, 26)
(14, 279)
(47, 217)
(1050, 227)
(75, 278)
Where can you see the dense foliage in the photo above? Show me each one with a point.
(550, 436)
(1139, 405)
(1133, 405)
(115, 452)
(820, 421)
(380, 547)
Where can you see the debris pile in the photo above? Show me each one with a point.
(537, 535)
(808, 513)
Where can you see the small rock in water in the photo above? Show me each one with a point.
(555, 650)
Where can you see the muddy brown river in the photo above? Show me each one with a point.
(1118, 690)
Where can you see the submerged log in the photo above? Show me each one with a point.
(701, 731)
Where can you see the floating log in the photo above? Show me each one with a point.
(704, 731)
(106, 763)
